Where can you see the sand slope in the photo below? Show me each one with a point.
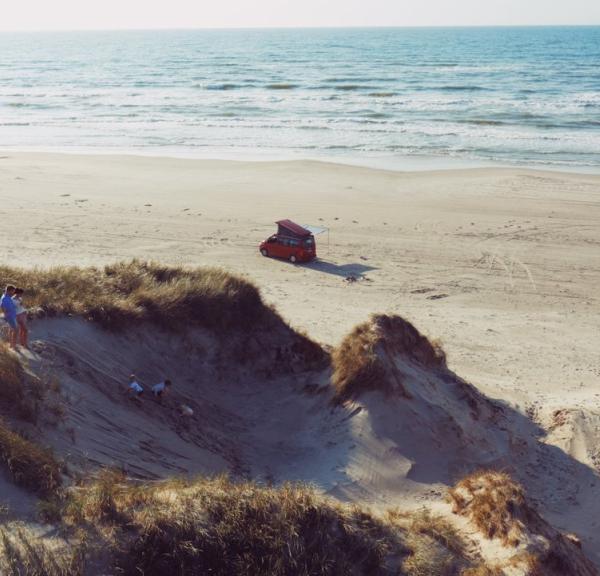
(277, 422)
(502, 265)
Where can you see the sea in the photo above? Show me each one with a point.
(392, 97)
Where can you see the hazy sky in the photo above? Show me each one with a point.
(85, 14)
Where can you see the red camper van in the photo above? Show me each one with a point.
(292, 242)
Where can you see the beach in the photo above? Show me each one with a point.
(501, 265)
(423, 397)
(497, 268)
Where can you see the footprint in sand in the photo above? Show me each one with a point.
(422, 290)
(437, 296)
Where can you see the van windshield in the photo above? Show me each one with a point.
(309, 242)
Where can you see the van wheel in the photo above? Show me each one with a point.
(293, 259)
(264, 252)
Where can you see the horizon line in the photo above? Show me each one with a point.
(293, 27)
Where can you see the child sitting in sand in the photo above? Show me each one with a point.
(161, 388)
(135, 389)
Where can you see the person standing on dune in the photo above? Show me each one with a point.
(21, 312)
(10, 314)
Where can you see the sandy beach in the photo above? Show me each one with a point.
(501, 265)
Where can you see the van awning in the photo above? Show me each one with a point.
(315, 229)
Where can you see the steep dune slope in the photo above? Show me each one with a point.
(380, 421)
(232, 398)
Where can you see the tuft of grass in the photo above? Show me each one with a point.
(438, 528)
(130, 292)
(29, 465)
(494, 502)
(436, 548)
(364, 360)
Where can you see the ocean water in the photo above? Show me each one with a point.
(526, 96)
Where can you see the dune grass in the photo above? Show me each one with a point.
(130, 292)
(24, 553)
(215, 526)
(497, 506)
(363, 362)
(29, 465)
(482, 570)
(494, 502)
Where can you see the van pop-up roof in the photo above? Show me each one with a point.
(289, 228)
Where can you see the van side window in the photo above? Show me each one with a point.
(293, 242)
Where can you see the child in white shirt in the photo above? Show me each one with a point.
(135, 389)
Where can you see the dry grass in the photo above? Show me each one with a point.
(215, 526)
(439, 529)
(482, 570)
(494, 502)
(364, 360)
(23, 553)
(11, 375)
(436, 548)
(29, 465)
(22, 393)
(117, 295)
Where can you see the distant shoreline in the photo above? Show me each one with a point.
(376, 162)
(290, 28)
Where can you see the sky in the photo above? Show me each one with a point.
(125, 14)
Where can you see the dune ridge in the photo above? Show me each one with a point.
(379, 426)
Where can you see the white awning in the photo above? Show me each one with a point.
(315, 229)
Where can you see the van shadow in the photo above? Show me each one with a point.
(343, 270)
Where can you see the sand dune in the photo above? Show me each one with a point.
(501, 265)
(401, 443)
